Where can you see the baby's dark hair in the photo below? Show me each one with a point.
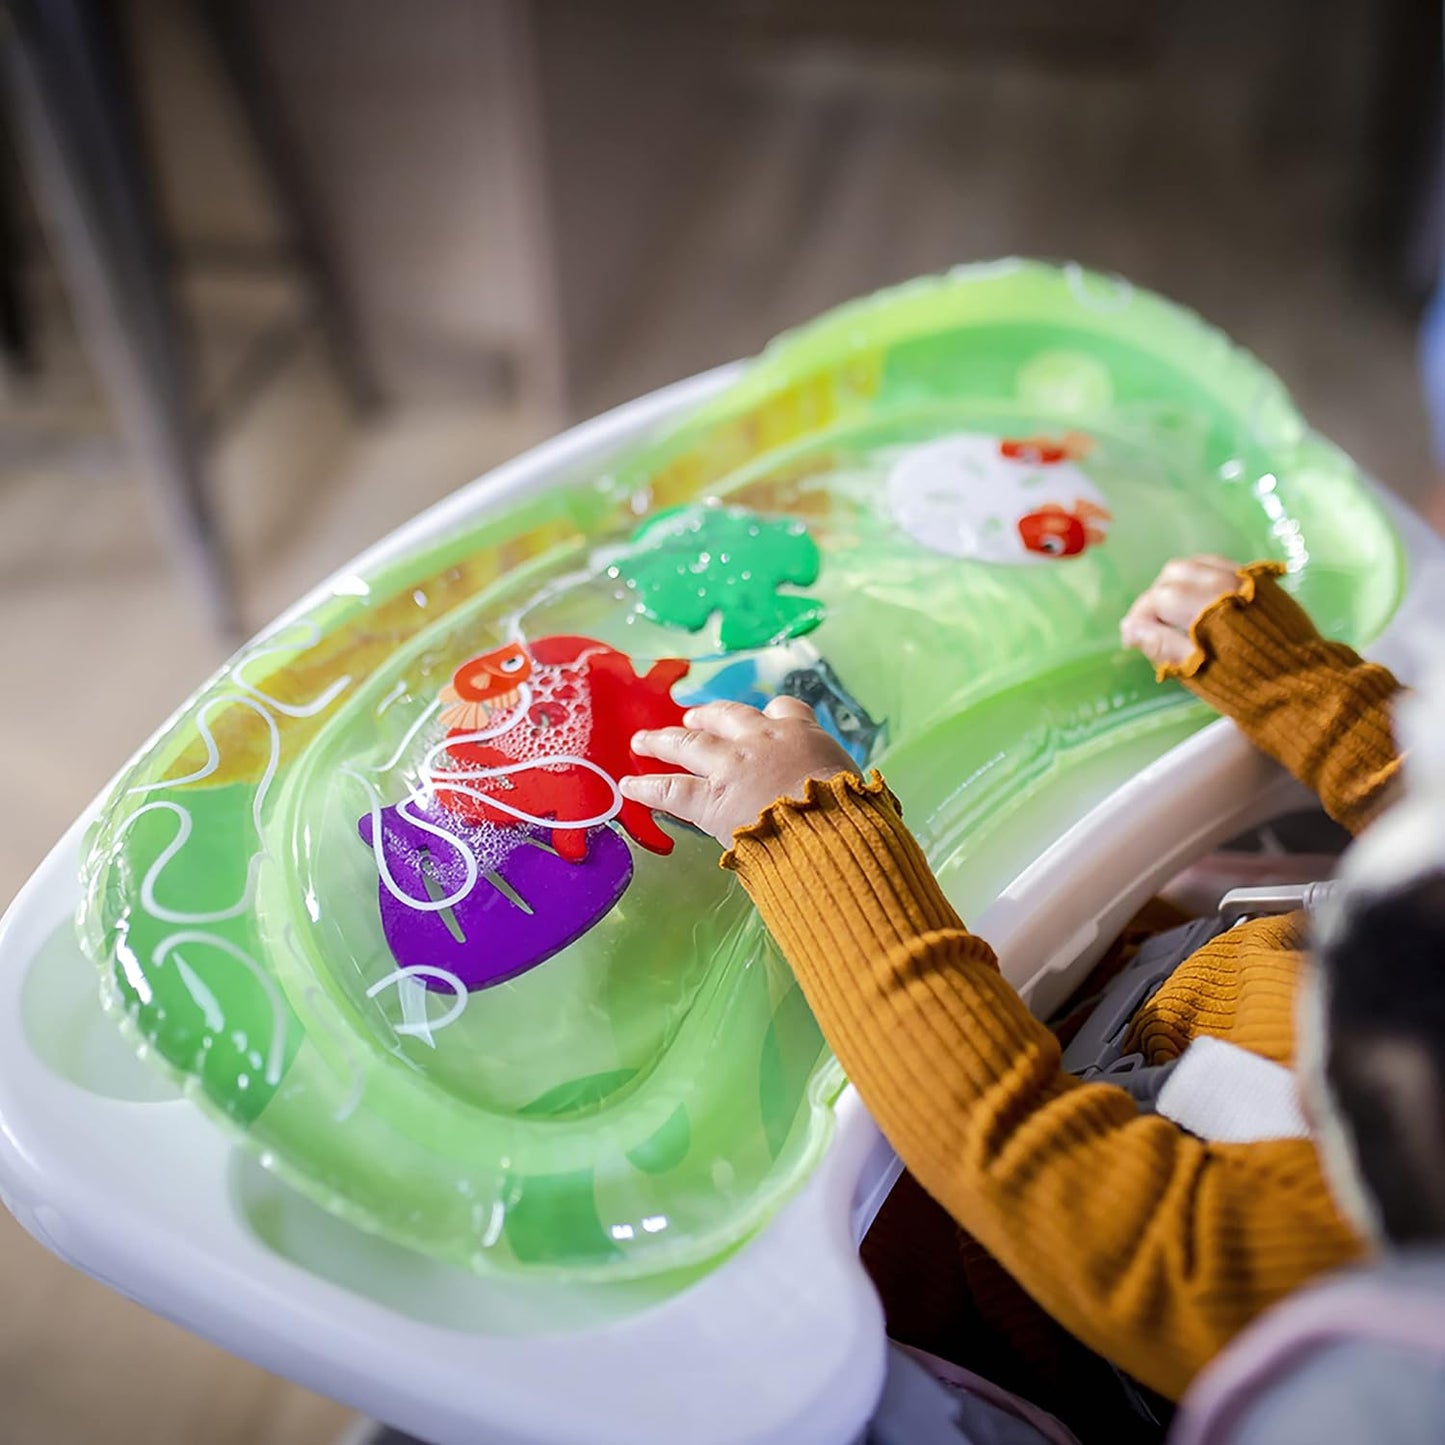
(1385, 1061)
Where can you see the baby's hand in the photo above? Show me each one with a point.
(741, 760)
(1159, 621)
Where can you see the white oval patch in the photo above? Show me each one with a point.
(966, 496)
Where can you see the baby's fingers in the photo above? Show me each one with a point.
(674, 793)
(1161, 644)
(790, 707)
(1179, 603)
(689, 748)
(726, 719)
(1141, 615)
(1206, 570)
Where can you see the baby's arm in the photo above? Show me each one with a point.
(1244, 645)
(1151, 1246)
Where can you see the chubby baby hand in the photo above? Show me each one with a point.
(1159, 621)
(738, 761)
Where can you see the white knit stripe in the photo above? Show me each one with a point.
(1223, 1093)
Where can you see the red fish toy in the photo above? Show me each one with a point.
(1044, 452)
(1056, 531)
(545, 728)
(483, 686)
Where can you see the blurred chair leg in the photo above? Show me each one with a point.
(544, 367)
(17, 340)
(68, 85)
(232, 29)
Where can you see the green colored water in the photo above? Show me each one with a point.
(644, 1099)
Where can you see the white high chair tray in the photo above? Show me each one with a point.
(122, 1177)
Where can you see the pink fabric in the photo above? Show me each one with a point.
(1360, 1309)
(966, 1382)
(1198, 889)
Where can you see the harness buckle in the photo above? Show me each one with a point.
(1242, 903)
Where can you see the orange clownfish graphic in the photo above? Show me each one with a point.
(1044, 452)
(483, 686)
(1056, 531)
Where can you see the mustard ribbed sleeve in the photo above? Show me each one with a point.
(1315, 706)
(1152, 1247)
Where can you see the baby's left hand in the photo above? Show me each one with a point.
(741, 760)
(1159, 622)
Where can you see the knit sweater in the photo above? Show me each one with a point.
(1151, 1246)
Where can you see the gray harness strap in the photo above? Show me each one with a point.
(1096, 1052)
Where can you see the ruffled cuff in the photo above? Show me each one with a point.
(836, 873)
(819, 795)
(1314, 705)
(1257, 589)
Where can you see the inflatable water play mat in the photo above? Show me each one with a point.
(373, 896)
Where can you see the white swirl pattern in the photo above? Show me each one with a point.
(191, 932)
(431, 777)
(424, 1028)
(320, 703)
(456, 780)
(276, 1051)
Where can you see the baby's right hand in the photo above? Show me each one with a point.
(1159, 621)
(741, 760)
